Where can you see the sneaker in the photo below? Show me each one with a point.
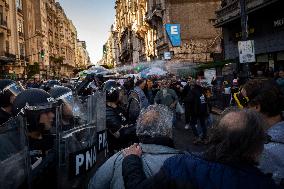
(186, 127)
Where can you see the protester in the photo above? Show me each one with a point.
(230, 161)
(137, 101)
(199, 112)
(154, 129)
(280, 80)
(8, 92)
(186, 94)
(149, 91)
(269, 101)
(167, 96)
(226, 93)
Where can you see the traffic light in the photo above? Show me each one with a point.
(42, 53)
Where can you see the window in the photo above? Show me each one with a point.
(20, 26)
(22, 49)
(1, 15)
(19, 4)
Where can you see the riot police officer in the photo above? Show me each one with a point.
(119, 132)
(65, 97)
(39, 109)
(9, 89)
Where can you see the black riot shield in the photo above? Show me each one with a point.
(82, 148)
(14, 155)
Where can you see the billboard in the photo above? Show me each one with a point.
(173, 31)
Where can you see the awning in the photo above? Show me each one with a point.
(213, 65)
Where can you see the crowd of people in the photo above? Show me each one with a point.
(245, 147)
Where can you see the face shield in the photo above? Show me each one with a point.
(69, 107)
(14, 89)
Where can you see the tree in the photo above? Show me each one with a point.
(33, 69)
(56, 63)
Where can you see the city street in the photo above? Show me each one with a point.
(97, 94)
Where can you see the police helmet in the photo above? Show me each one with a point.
(112, 88)
(63, 95)
(7, 89)
(31, 103)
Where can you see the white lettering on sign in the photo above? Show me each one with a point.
(89, 158)
(278, 23)
(174, 30)
(102, 141)
(79, 162)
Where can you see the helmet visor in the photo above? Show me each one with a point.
(68, 99)
(14, 89)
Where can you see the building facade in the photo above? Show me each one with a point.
(199, 39)
(36, 33)
(265, 27)
(135, 36)
(141, 33)
(82, 55)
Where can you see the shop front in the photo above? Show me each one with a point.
(266, 29)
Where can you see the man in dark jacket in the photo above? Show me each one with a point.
(186, 94)
(198, 108)
(229, 163)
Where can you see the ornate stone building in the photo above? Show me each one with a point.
(12, 43)
(135, 36)
(200, 40)
(36, 31)
(82, 55)
(141, 35)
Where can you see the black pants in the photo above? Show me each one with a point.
(187, 113)
(193, 123)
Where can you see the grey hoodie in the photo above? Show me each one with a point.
(272, 159)
(109, 175)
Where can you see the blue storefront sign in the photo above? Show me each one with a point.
(173, 31)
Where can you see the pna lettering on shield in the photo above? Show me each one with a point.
(85, 160)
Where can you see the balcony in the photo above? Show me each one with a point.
(21, 34)
(156, 12)
(7, 6)
(231, 11)
(160, 42)
(3, 24)
(20, 10)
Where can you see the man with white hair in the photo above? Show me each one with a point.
(154, 130)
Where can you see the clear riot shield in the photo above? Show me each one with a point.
(14, 155)
(80, 148)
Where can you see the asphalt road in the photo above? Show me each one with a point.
(183, 138)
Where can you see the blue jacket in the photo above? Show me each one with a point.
(188, 171)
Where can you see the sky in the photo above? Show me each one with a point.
(93, 19)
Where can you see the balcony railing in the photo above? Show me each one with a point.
(157, 7)
(7, 6)
(228, 9)
(20, 10)
(3, 23)
(9, 32)
(233, 9)
(21, 34)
